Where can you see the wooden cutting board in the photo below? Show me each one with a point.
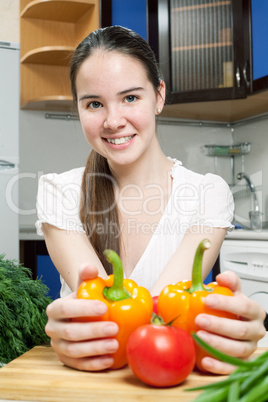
(39, 376)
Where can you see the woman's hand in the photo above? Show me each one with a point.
(235, 337)
(86, 345)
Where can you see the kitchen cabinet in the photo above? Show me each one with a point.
(34, 255)
(202, 48)
(50, 30)
(207, 51)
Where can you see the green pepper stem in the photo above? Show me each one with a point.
(197, 280)
(117, 291)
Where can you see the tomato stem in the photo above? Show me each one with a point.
(197, 280)
(117, 291)
(158, 320)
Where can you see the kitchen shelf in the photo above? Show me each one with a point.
(50, 32)
(200, 6)
(44, 83)
(56, 10)
(227, 150)
(202, 46)
(53, 55)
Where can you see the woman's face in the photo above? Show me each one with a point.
(117, 105)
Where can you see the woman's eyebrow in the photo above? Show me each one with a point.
(89, 97)
(130, 90)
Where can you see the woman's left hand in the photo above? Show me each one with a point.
(235, 337)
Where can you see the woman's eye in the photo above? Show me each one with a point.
(94, 105)
(131, 98)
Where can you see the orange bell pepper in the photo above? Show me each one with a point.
(182, 302)
(129, 305)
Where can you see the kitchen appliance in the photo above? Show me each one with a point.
(249, 260)
(9, 149)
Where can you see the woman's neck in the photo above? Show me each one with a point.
(152, 167)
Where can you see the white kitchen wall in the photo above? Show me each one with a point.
(256, 165)
(45, 146)
(10, 24)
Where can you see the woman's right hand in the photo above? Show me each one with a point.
(81, 345)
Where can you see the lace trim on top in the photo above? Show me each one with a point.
(176, 163)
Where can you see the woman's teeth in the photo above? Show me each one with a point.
(118, 141)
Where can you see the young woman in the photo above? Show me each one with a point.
(133, 199)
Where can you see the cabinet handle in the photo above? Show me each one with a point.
(245, 73)
(238, 77)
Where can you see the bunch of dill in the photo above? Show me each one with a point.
(23, 303)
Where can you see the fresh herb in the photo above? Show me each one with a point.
(248, 383)
(23, 303)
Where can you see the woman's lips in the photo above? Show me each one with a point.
(121, 140)
(120, 143)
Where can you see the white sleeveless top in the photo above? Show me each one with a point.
(195, 200)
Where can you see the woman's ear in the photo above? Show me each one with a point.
(161, 96)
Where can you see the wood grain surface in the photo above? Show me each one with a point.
(39, 376)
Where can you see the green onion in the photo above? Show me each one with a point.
(258, 393)
(255, 376)
(234, 391)
(243, 385)
(215, 395)
(222, 356)
(228, 381)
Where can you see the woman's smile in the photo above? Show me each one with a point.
(120, 142)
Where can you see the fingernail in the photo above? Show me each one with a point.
(107, 361)
(100, 308)
(204, 335)
(111, 345)
(202, 321)
(110, 330)
(211, 300)
(207, 363)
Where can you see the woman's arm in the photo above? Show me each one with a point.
(70, 251)
(180, 265)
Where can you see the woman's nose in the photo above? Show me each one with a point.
(114, 120)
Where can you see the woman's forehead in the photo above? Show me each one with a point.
(103, 65)
(113, 58)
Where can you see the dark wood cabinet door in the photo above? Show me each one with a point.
(203, 48)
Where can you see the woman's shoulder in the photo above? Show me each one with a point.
(68, 177)
(58, 200)
(181, 175)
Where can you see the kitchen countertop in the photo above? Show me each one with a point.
(243, 234)
(39, 376)
(29, 233)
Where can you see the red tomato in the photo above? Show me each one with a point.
(161, 355)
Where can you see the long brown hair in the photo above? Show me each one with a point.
(98, 210)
